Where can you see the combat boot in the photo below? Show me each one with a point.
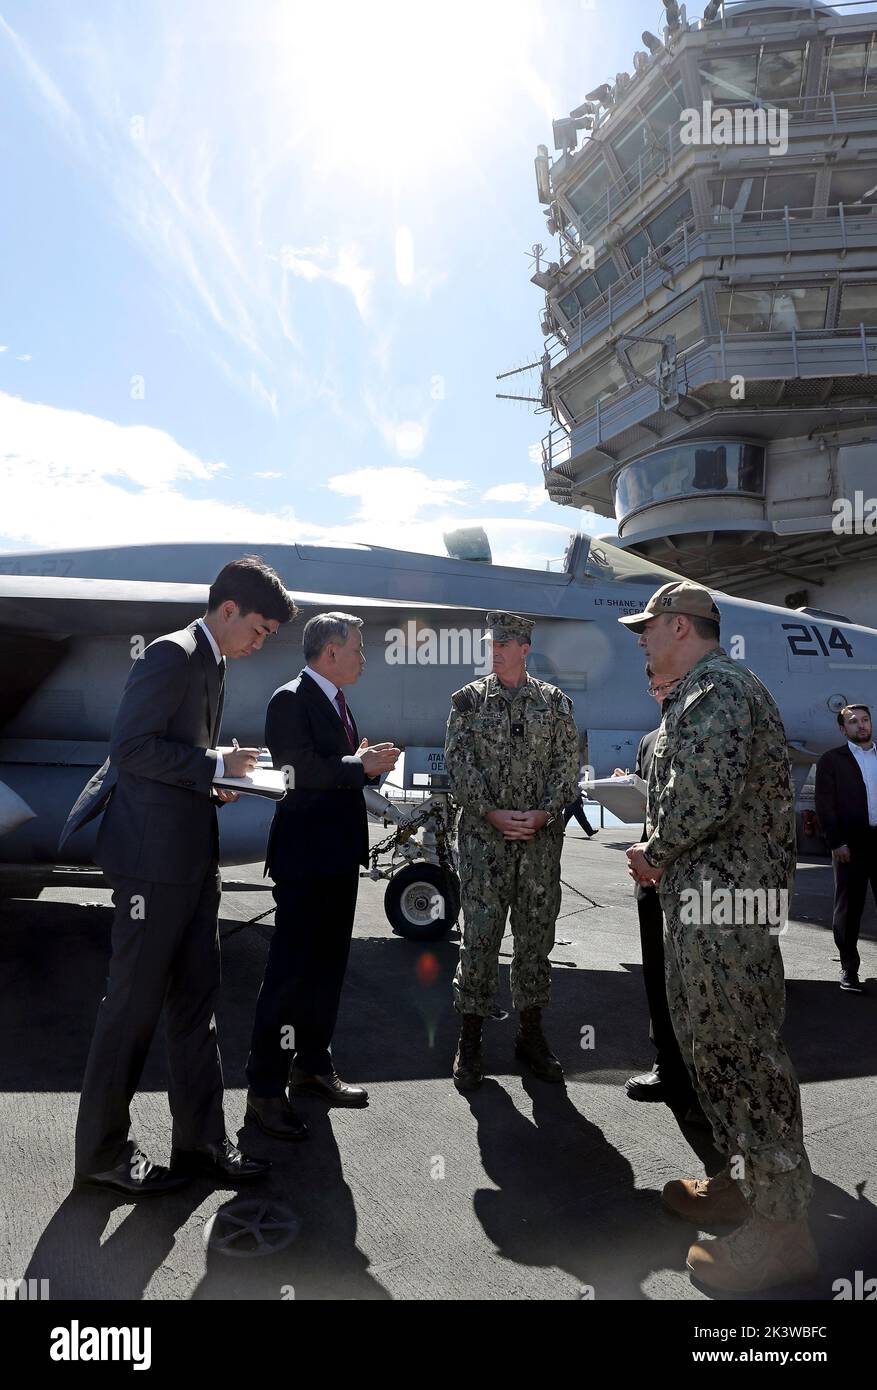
(762, 1254)
(707, 1201)
(531, 1045)
(468, 1073)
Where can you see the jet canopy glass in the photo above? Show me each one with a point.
(611, 564)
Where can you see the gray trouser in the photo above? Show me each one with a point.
(165, 951)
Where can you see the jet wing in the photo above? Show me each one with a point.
(40, 614)
(57, 608)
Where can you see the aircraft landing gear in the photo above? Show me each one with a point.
(422, 902)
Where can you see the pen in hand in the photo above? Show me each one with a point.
(239, 762)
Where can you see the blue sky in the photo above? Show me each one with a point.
(259, 266)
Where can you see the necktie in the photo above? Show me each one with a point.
(220, 701)
(345, 720)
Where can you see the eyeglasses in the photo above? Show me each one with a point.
(667, 685)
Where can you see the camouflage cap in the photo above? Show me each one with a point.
(505, 627)
(681, 596)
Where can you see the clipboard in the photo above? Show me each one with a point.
(624, 797)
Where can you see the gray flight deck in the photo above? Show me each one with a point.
(520, 1191)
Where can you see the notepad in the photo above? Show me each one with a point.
(262, 781)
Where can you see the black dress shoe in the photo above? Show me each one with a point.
(850, 982)
(134, 1177)
(649, 1086)
(222, 1161)
(275, 1116)
(330, 1087)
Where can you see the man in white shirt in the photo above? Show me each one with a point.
(317, 844)
(158, 845)
(846, 806)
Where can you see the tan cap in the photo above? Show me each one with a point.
(681, 596)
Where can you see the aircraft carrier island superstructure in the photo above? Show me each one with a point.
(711, 319)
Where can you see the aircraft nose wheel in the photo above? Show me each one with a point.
(422, 902)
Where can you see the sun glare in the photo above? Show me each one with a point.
(403, 85)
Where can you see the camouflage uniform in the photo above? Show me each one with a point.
(509, 750)
(721, 813)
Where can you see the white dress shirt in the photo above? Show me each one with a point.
(867, 760)
(329, 689)
(219, 770)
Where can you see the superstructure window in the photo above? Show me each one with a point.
(589, 290)
(590, 196)
(658, 231)
(762, 75)
(637, 247)
(580, 398)
(769, 310)
(748, 200)
(647, 140)
(689, 470)
(686, 327)
(855, 188)
(851, 70)
(858, 305)
(662, 227)
(781, 75)
(606, 275)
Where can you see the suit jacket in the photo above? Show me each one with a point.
(155, 789)
(643, 767)
(321, 825)
(841, 799)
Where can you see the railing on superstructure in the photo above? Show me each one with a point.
(802, 355)
(830, 110)
(722, 234)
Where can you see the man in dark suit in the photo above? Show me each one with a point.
(318, 840)
(158, 844)
(846, 807)
(668, 1079)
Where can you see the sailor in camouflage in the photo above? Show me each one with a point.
(512, 758)
(720, 845)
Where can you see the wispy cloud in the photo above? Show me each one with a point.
(261, 392)
(531, 497)
(341, 266)
(396, 496)
(43, 86)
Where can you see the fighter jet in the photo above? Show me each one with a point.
(71, 622)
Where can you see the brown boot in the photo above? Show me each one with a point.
(531, 1045)
(707, 1201)
(467, 1072)
(759, 1255)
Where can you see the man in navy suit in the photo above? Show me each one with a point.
(846, 807)
(318, 840)
(158, 845)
